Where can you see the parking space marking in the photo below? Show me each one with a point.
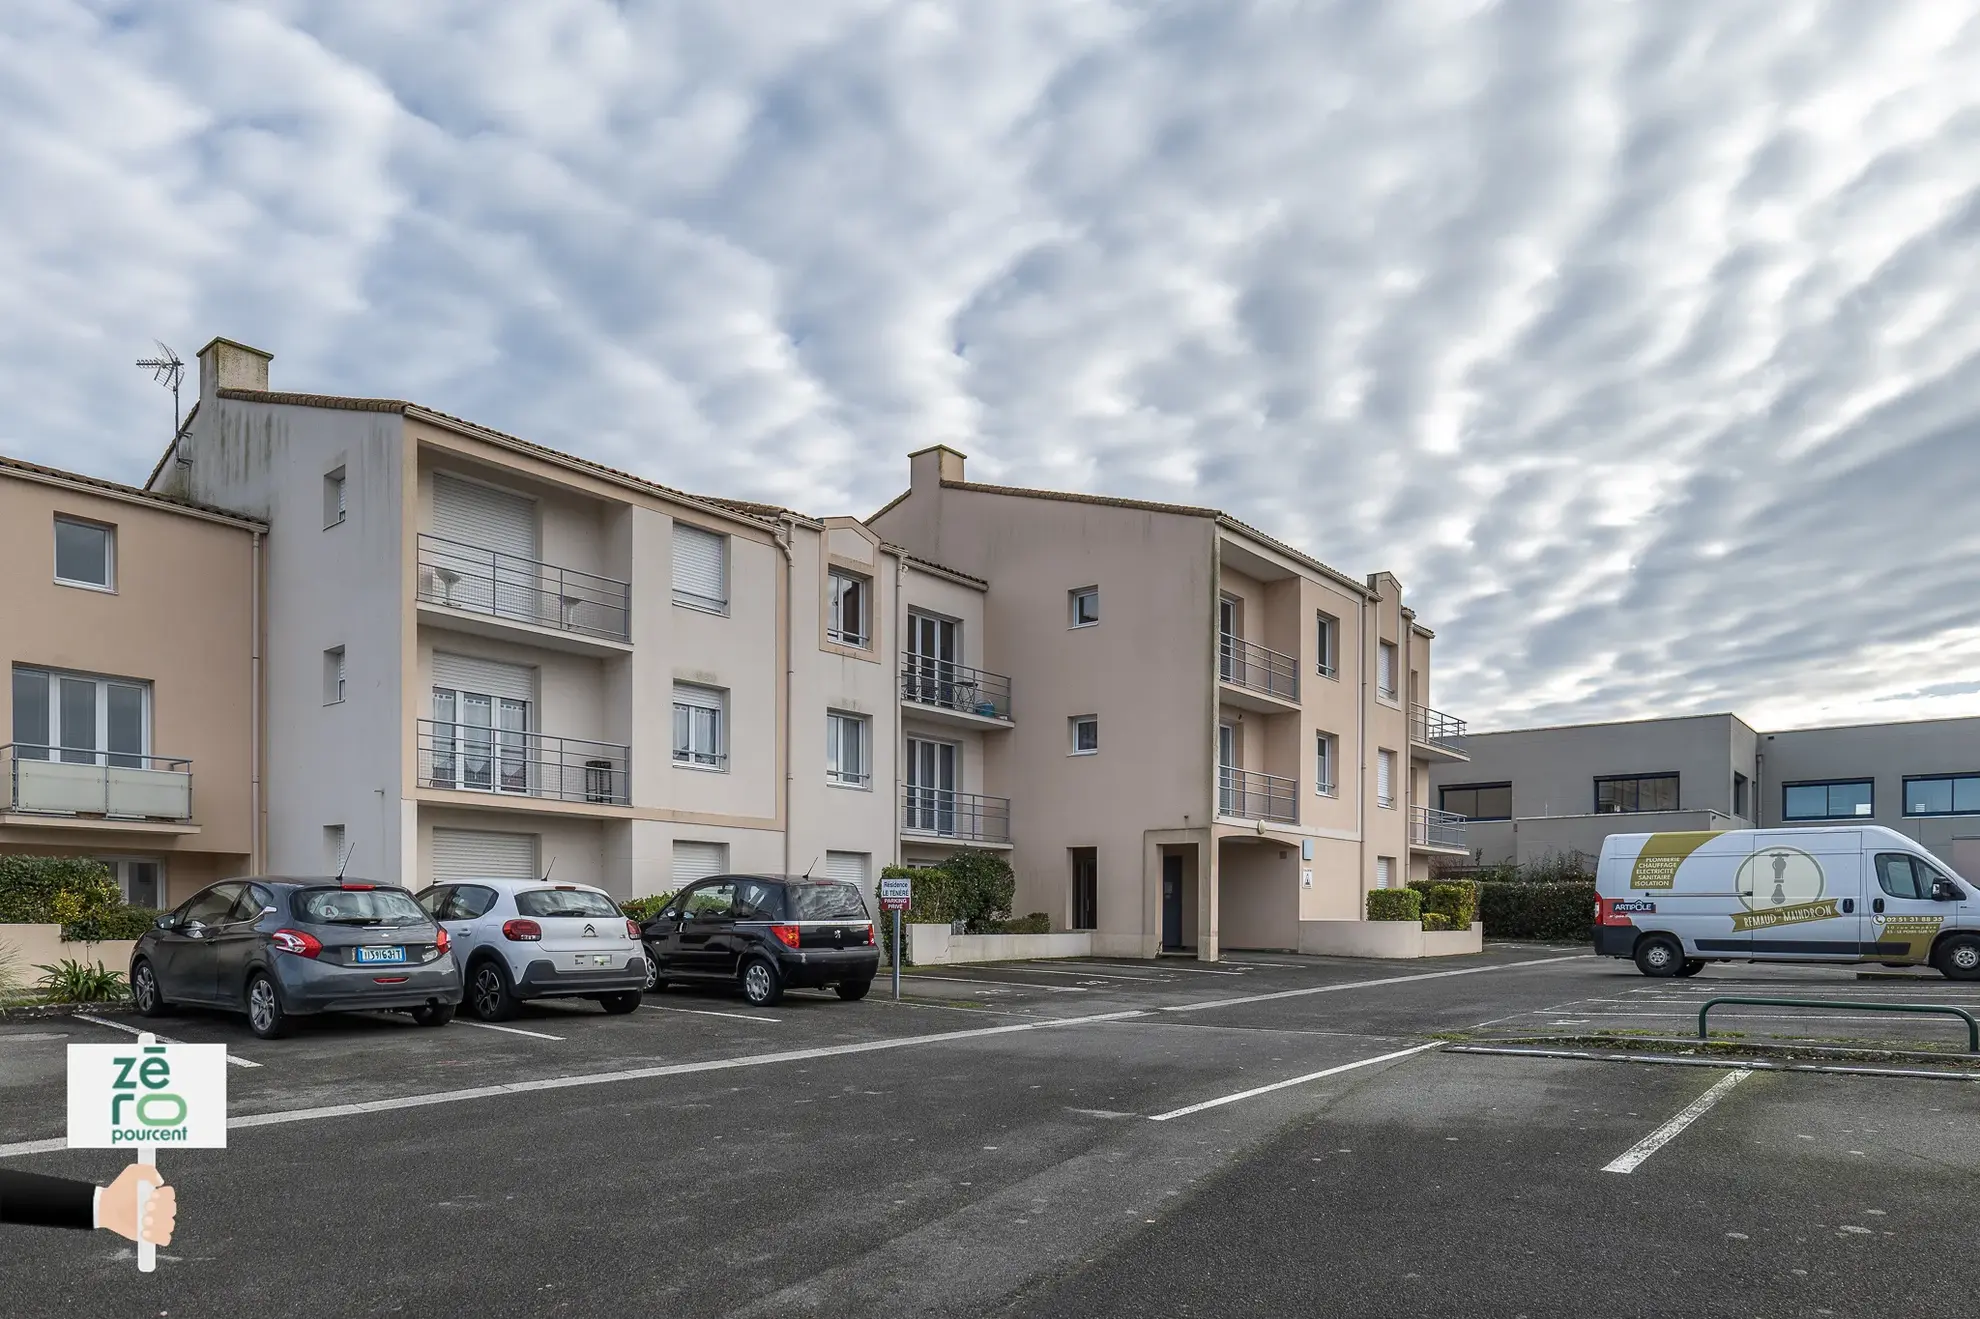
(1297, 1080)
(233, 1058)
(507, 1030)
(1166, 964)
(710, 1012)
(1664, 1135)
(1369, 984)
(1082, 975)
(1005, 984)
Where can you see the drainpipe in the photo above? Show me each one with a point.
(1361, 751)
(894, 816)
(258, 823)
(790, 676)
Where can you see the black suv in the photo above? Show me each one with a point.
(766, 933)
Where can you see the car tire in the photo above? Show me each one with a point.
(852, 991)
(1692, 966)
(434, 1014)
(264, 1008)
(619, 1005)
(654, 984)
(145, 993)
(490, 995)
(1958, 958)
(1660, 955)
(761, 984)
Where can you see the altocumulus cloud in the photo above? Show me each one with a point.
(1639, 340)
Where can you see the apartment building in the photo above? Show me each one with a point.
(131, 639)
(1219, 736)
(1530, 792)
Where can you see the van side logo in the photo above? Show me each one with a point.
(1781, 886)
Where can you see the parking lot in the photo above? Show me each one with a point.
(1091, 1138)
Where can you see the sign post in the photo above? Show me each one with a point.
(143, 1095)
(895, 895)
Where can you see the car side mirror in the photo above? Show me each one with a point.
(1945, 890)
(168, 921)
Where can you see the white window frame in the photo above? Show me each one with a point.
(335, 485)
(691, 751)
(1385, 767)
(109, 583)
(1073, 726)
(1073, 598)
(1386, 655)
(335, 676)
(1385, 872)
(1326, 763)
(505, 747)
(860, 634)
(101, 753)
(838, 724)
(1326, 644)
(120, 872)
(692, 599)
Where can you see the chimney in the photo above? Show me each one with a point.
(927, 468)
(224, 364)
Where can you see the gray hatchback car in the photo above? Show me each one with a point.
(276, 948)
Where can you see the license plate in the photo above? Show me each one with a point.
(594, 959)
(371, 955)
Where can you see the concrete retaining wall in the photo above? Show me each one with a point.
(933, 945)
(43, 945)
(1387, 939)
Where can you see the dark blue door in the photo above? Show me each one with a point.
(1172, 902)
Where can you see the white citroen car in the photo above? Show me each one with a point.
(519, 939)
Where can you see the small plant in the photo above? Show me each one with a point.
(1394, 904)
(69, 981)
(1436, 920)
(10, 985)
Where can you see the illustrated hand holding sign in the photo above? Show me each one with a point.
(139, 1096)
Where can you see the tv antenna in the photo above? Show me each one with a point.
(169, 370)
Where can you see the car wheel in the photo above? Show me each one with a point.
(654, 984)
(1959, 958)
(490, 996)
(1660, 955)
(434, 1014)
(852, 991)
(144, 990)
(620, 1004)
(264, 1008)
(1692, 966)
(761, 984)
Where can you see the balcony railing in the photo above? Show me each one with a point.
(950, 686)
(1246, 795)
(1435, 728)
(473, 758)
(945, 813)
(1251, 666)
(51, 780)
(462, 576)
(1429, 827)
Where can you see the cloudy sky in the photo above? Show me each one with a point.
(1639, 339)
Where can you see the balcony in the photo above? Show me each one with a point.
(509, 763)
(1259, 679)
(1432, 830)
(955, 693)
(1246, 795)
(96, 785)
(1434, 735)
(950, 816)
(580, 610)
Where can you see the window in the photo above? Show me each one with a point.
(694, 860)
(81, 719)
(846, 609)
(1841, 800)
(1477, 801)
(333, 499)
(1085, 734)
(1085, 606)
(1385, 670)
(1324, 750)
(701, 568)
(85, 554)
(1741, 792)
(138, 880)
(480, 741)
(1945, 794)
(1905, 876)
(1326, 637)
(333, 848)
(710, 901)
(698, 726)
(1085, 888)
(333, 675)
(825, 902)
(1629, 794)
(1385, 871)
(1385, 778)
(847, 738)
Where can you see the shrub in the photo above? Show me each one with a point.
(1528, 910)
(646, 908)
(117, 923)
(985, 887)
(10, 984)
(1455, 900)
(1395, 904)
(1036, 922)
(1436, 920)
(37, 890)
(69, 981)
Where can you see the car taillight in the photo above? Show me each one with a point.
(350, 887)
(787, 933)
(632, 931)
(295, 941)
(440, 940)
(869, 934)
(521, 931)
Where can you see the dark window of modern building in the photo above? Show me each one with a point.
(1943, 794)
(1629, 794)
(1741, 792)
(1478, 801)
(1843, 799)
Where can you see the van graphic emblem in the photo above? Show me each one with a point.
(1781, 886)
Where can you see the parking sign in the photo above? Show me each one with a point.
(896, 894)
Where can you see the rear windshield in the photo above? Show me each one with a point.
(826, 902)
(564, 902)
(379, 906)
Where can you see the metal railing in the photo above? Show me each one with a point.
(1972, 1025)
(52, 780)
(1246, 795)
(1435, 728)
(472, 758)
(950, 686)
(1256, 668)
(483, 581)
(945, 813)
(1429, 827)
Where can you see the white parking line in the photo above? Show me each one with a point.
(1080, 975)
(506, 1030)
(708, 1012)
(1368, 984)
(1665, 1134)
(1297, 1080)
(1003, 984)
(232, 1057)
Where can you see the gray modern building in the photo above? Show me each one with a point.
(1528, 793)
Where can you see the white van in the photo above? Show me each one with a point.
(1675, 901)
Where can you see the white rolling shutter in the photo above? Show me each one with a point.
(474, 854)
(1383, 875)
(1385, 775)
(483, 516)
(465, 673)
(694, 860)
(1385, 668)
(849, 866)
(700, 570)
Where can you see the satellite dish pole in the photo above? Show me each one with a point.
(169, 370)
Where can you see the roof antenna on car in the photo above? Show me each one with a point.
(346, 861)
(813, 866)
(547, 869)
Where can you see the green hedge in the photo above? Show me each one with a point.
(1036, 922)
(118, 923)
(1395, 904)
(1453, 901)
(1525, 910)
(54, 890)
(1436, 920)
(646, 908)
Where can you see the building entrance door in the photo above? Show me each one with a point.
(1172, 902)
